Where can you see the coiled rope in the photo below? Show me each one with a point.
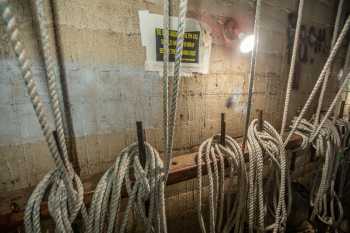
(175, 85)
(292, 67)
(266, 144)
(65, 200)
(323, 195)
(211, 152)
(326, 140)
(144, 186)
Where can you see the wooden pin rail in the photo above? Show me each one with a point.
(183, 168)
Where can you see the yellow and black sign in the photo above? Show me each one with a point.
(190, 53)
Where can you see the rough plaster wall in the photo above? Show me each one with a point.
(109, 89)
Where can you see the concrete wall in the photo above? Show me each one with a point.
(109, 88)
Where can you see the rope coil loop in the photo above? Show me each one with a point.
(323, 194)
(144, 186)
(214, 155)
(63, 185)
(266, 144)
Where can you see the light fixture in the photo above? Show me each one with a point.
(246, 43)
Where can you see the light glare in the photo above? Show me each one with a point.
(247, 44)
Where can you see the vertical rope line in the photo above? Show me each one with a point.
(176, 81)
(52, 73)
(166, 27)
(24, 62)
(328, 72)
(320, 79)
(292, 67)
(252, 68)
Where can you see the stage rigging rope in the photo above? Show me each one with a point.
(64, 188)
(214, 155)
(145, 189)
(292, 67)
(266, 144)
(175, 85)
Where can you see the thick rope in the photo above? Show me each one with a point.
(323, 195)
(328, 71)
(252, 68)
(166, 27)
(266, 144)
(214, 155)
(175, 83)
(67, 201)
(145, 189)
(24, 62)
(320, 79)
(52, 74)
(292, 67)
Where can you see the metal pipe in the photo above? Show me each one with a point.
(252, 69)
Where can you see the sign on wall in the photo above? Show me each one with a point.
(197, 44)
(190, 53)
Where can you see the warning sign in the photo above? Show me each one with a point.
(190, 53)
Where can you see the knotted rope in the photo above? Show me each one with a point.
(145, 189)
(62, 184)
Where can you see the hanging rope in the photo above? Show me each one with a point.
(145, 189)
(166, 28)
(65, 202)
(211, 152)
(252, 68)
(328, 71)
(175, 84)
(320, 79)
(292, 67)
(327, 144)
(266, 144)
(323, 195)
(52, 74)
(344, 130)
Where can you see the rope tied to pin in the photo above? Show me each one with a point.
(266, 144)
(64, 188)
(323, 194)
(144, 187)
(233, 207)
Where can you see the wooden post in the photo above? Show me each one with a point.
(223, 130)
(141, 143)
(260, 120)
(341, 111)
(293, 160)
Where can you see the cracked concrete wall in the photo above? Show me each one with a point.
(110, 89)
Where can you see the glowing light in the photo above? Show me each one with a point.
(247, 44)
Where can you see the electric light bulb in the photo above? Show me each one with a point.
(247, 44)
